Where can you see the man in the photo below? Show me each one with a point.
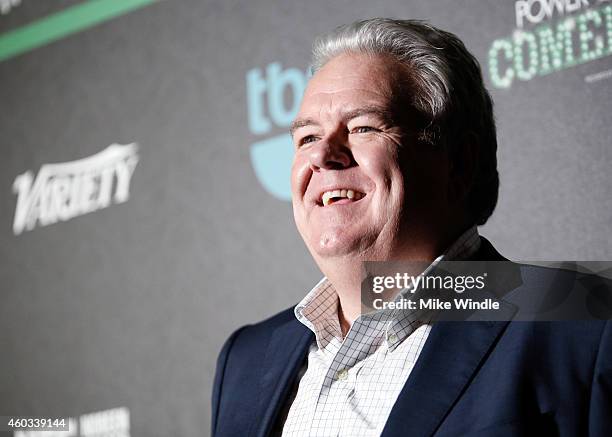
(395, 159)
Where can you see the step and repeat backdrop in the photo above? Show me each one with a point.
(144, 190)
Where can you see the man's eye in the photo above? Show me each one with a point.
(308, 139)
(363, 129)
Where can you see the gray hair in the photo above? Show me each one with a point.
(448, 92)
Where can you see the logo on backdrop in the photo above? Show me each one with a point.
(582, 33)
(65, 190)
(273, 99)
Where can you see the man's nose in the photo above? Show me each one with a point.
(330, 155)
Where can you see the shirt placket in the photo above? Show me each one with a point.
(340, 379)
(338, 383)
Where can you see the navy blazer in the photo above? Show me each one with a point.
(473, 378)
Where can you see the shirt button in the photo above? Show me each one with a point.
(342, 375)
(392, 339)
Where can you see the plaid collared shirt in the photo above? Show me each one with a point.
(350, 385)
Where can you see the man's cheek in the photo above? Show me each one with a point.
(299, 177)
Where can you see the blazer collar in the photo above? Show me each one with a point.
(447, 364)
(285, 354)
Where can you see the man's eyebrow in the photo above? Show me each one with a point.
(301, 122)
(379, 111)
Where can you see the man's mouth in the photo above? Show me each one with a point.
(340, 195)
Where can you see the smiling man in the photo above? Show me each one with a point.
(357, 132)
(395, 160)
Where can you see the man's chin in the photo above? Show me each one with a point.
(336, 244)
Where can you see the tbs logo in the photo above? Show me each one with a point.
(273, 99)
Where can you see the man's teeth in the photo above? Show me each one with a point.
(350, 194)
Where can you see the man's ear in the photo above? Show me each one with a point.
(464, 156)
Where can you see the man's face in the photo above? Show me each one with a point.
(361, 183)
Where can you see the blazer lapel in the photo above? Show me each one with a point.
(450, 358)
(284, 357)
(447, 364)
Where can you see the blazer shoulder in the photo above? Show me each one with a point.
(245, 345)
(271, 323)
(252, 336)
(287, 315)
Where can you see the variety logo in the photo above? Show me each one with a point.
(65, 190)
(273, 99)
(584, 36)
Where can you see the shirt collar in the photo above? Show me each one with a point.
(319, 308)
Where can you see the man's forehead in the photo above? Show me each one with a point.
(349, 72)
(352, 81)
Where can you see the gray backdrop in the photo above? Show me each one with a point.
(128, 306)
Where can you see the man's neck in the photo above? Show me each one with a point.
(346, 276)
